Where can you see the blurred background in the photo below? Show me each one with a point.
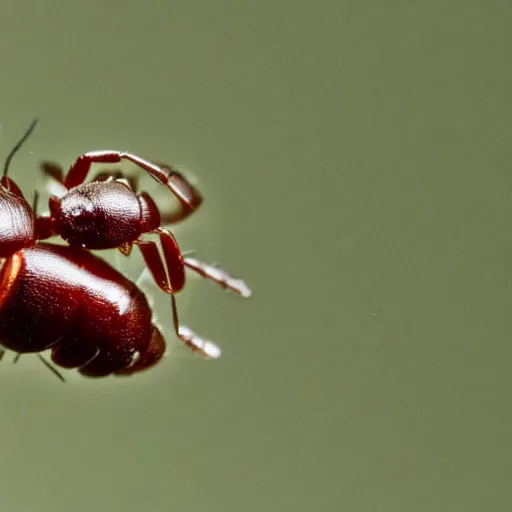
(356, 163)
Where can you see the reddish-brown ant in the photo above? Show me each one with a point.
(68, 300)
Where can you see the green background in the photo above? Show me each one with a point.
(356, 163)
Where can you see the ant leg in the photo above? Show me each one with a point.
(55, 171)
(144, 273)
(154, 264)
(177, 216)
(170, 279)
(190, 338)
(2, 353)
(218, 276)
(167, 176)
(51, 368)
(45, 362)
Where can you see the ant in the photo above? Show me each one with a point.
(107, 213)
(67, 299)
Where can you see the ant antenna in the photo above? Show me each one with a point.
(18, 145)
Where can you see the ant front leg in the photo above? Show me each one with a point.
(188, 190)
(170, 277)
(188, 196)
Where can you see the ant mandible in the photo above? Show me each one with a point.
(67, 299)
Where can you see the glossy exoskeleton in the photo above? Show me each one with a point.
(66, 299)
(108, 213)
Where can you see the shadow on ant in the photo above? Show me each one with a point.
(65, 298)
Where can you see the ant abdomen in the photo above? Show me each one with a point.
(68, 300)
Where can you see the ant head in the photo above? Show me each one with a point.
(17, 217)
